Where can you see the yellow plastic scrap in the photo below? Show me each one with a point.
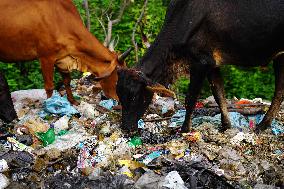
(177, 147)
(192, 136)
(101, 137)
(127, 172)
(179, 156)
(86, 74)
(132, 165)
(114, 137)
(159, 172)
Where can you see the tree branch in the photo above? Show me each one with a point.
(109, 31)
(135, 28)
(86, 7)
(101, 23)
(121, 11)
(109, 42)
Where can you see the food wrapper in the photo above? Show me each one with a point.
(19, 146)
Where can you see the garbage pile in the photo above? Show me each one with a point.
(56, 145)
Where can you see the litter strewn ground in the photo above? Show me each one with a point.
(56, 145)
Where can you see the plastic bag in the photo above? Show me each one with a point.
(4, 181)
(59, 105)
(61, 124)
(47, 137)
(108, 104)
(173, 181)
(87, 110)
(3, 166)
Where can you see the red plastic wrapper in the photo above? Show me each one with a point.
(199, 105)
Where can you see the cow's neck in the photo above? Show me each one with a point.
(155, 64)
(70, 63)
(168, 46)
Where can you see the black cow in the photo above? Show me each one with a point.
(7, 111)
(207, 34)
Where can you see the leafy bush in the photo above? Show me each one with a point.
(241, 83)
(21, 76)
(249, 83)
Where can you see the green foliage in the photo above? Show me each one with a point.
(181, 85)
(249, 83)
(21, 76)
(152, 21)
(239, 83)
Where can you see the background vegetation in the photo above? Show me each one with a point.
(238, 82)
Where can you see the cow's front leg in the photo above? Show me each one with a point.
(198, 74)
(47, 68)
(217, 87)
(66, 81)
(278, 94)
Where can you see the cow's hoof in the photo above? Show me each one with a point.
(49, 93)
(258, 130)
(130, 133)
(260, 127)
(224, 127)
(263, 125)
(128, 129)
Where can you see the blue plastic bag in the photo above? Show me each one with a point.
(57, 105)
(237, 121)
(277, 127)
(141, 124)
(178, 118)
(108, 104)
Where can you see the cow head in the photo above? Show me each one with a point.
(135, 92)
(7, 111)
(108, 83)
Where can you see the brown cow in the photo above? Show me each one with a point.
(53, 32)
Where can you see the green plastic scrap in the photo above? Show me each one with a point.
(77, 97)
(62, 132)
(48, 137)
(135, 142)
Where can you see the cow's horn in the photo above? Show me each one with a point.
(158, 88)
(124, 55)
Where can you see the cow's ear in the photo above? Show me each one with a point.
(158, 88)
(106, 72)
